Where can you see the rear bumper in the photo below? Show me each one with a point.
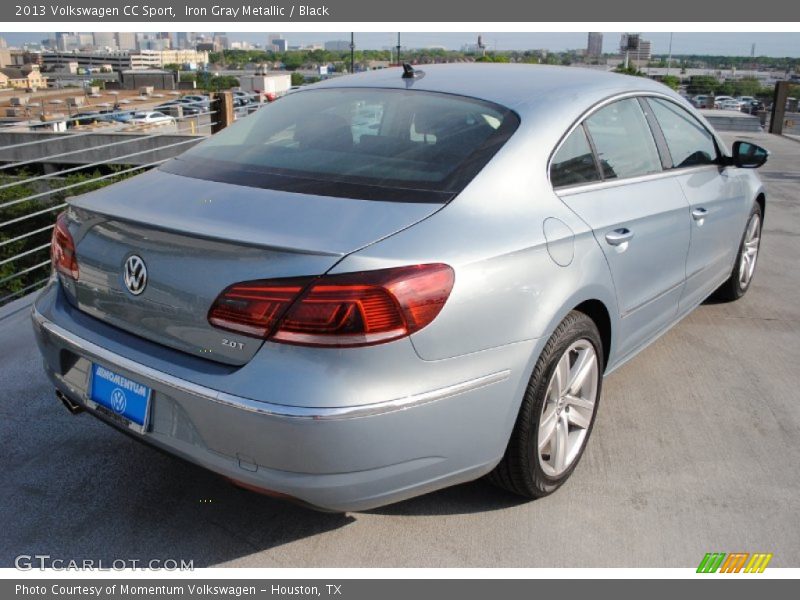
(349, 457)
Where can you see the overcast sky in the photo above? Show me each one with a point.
(739, 44)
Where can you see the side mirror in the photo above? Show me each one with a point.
(749, 156)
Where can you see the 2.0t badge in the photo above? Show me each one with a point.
(135, 275)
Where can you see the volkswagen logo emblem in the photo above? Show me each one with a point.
(118, 401)
(135, 275)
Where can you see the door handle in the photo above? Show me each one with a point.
(619, 236)
(698, 214)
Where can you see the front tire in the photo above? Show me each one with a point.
(557, 412)
(745, 267)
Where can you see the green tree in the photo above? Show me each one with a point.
(298, 78)
(14, 189)
(629, 70)
(747, 86)
(703, 84)
(671, 81)
(293, 60)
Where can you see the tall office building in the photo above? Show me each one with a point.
(104, 39)
(165, 40)
(634, 47)
(126, 40)
(337, 45)
(278, 42)
(221, 41)
(185, 40)
(595, 46)
(66, 41)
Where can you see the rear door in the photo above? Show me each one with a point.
(639, 216)
(715, 196)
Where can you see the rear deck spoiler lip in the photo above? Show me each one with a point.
(76, 203)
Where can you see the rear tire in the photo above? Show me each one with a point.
(745, 267)
(557, 412)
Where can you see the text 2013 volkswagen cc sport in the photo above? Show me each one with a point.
(397, 281)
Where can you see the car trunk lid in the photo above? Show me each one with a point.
(196, 238)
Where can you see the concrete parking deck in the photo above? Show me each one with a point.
(696, 450)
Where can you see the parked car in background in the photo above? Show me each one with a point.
(201, 101)
(150, 117)
(753, 107)
(703, 101)
(393, 283)
(84, 118)
(718, 100)
(188, 107)
(731, 104)
(121, 116)
(242, 98)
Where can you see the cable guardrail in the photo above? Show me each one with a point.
(73, 186)
(88, 166)
(11, 259)
(25, 235)
(28, 288)
(24, 271)
(30, 195)
(40, 159)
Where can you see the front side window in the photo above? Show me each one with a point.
(690, 144)
(363, 143)
(623, 140)
(574, 162)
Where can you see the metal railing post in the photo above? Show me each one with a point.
(779, 107)
(222, 105)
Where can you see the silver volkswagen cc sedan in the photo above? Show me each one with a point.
(394, 282)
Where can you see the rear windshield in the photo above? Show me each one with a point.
(401, 145)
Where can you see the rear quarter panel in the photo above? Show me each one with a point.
(508, 288)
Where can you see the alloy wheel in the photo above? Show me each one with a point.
(568, 408)
(747, 262)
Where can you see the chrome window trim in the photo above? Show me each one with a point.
(605, 102)
(610, 183)
(92, 351)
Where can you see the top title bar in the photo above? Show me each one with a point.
(339, 11)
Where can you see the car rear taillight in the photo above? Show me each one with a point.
(62, 249)
(352, 309)
(254, 307)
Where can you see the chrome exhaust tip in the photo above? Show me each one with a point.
(73, 407)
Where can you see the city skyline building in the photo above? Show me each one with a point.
(594, 47)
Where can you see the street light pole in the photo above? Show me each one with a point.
(669, 60)
(398, 48)
(352, 53)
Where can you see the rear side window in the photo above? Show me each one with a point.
(690, 144)
(623, 140)
(385, 144)
(574, 162)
